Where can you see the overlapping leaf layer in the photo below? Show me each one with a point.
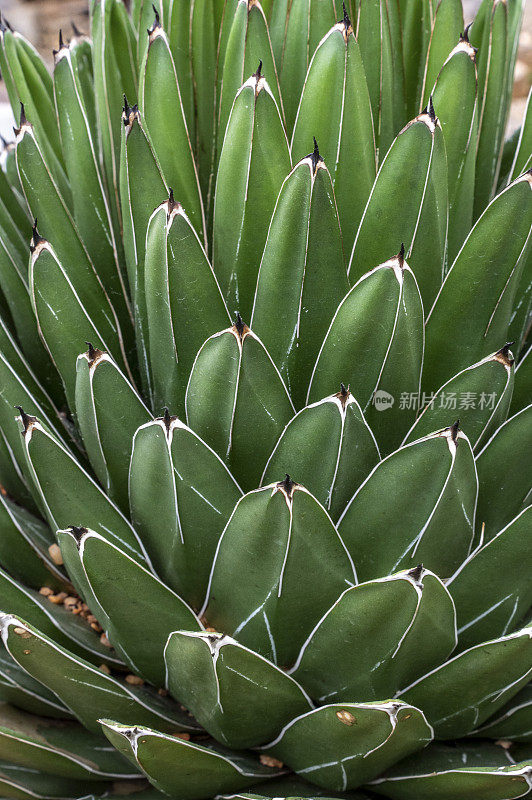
(265, 521)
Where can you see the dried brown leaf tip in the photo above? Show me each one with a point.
(315, 159)
(239, 327)
(343, 395)
(346, 23)
(505, 356)
(27, 420)
(129, 113)
(93, 354)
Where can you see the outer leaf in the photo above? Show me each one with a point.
(444, 772)
(468, 689)
(447, 26)
(416, 637)
(416, 18)
(22, 691)
(378, 363)
(335, 428)
(481, 394)
(234, 387)
(195, 495)
(163, 113)
(239, 697)
(340, 747)
(177, 26)
(203, 48)
(28, 784)
(504, 484)
(469, 294)
(62, 672)
(107, 428)
(254, 161)
(185, 769)
(427, 484)
(513, 721)
(523, 383)
(269, 534)
(414, 165)
(523, 153)
(293, 306)
(109, 573)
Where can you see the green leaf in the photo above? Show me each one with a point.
(382, 362)
(25, 783)
(138, 167)
(69, 494)
(480, 394)
(90, 207)
(239, 697)
(455, 98)
(447, 772)
(480, 287)
(447, 27)
(62, 672)
(305, 25)
(428, 484)
(415, 637)
(22, 691)
(415, 167)
(107, 428)
(302, 276)
(24, 542)
(177, 26)
(109, 574)
(205, 68)
(254, 161)
(465, 691)
(164, 118)
(416, 18)
(272, 532)
(513, 721)
(335, 428)
(339, 747)
(343, 126)
(504, 485)
(235, 387)
(182, 768)
(195, 496)
(523, 153)
(523, 383)
(491, 590)
(61, 748)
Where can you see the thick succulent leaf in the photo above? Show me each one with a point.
(340, 747)
(415, 166)
(513, 721)
(195, 495)
(138, 167)
(523, 152)
(306, 24)
(479, 394)
(381, 48)
(380, 364)
(183, 768)
(521, 317)
(54, 620)
(164, 117)
(109, 574)
(115, 74)
(449, 772)
(416, 18)
(447, 26)
(60, 748)
(176, 20)
(272, 532)
(335, 428)
(90, 206)
(21, 691)
(492, 589)
(235, 387)
(27, 783)
(343, 126)
(68, 493)
(254, 161)
(183, 301)
(205, 59)
(455, 98)
(82, 57)
(246, 42)
(523, 383)
(465, 691)
(11, 477)
(238, 696)
(63, 673)
(467, 295)
(24, 542)
(416, 636)
(107, 427)
(302, 276)
(504, 473)
(427, 484)
(292, 785)
(492, 109)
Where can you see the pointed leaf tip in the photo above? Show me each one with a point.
(287, 486)
(416, 573)
(78, 532)
(27, 419)
(36, 238)
(346, 20)
(258, 73)
(401, 255)
(504, 354)
(454, 430)
(239, 325)
(315, 157)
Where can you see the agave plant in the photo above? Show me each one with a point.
(265, 521)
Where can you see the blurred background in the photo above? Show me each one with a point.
(40, 21)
